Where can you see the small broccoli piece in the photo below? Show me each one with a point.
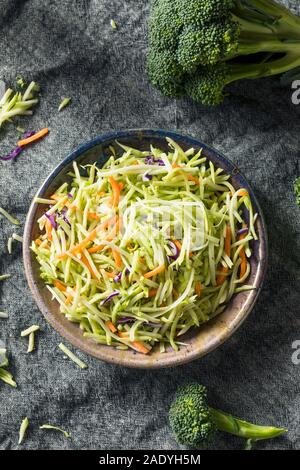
(194, 423)
(253, 38)
(165, 73)
(190, 417)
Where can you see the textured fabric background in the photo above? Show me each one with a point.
(70, 48)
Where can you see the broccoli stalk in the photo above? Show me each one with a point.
(194, 423)
(227, 423)
(197, 47)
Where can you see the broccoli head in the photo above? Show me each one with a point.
(202, 38)
(194, 423)
(190, 417)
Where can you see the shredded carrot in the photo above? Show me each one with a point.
(222, 276)
(87, 264)
(136, 344)
(93, 215)
(117, 257)
(48, 227)
(38, 242)
(155, 271)
(140, 347)
(33, 138)
(224, 269)
(116, 191)
(59, 285)
(111, 326)
(68, 299)
(198, 288)
(101, 194)
(121, 185)
(62, 256)
(152, 293)
(243, 267)
(96, 248)
(92, 235)
(82, 245)
(242, 193)
(177, 244)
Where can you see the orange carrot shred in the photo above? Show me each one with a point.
(116, 191)
(221, 277)
(33, 138)
(93, 215)
(242, 193)
(111, 326)
(155, 271)
(87, 264)
(198, 288)
(59, 285)
(117, 258)
(38, 242)
(68, 299)
(152, 293)
(48, 226)
(177, 244)
(136, 344)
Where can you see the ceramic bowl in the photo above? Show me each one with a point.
(200, 341)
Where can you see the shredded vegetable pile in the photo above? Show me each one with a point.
(145, 248)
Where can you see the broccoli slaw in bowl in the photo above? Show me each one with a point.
(145, 248)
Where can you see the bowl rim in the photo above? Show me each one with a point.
(174, 359)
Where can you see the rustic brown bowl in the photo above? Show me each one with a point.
(200, 341)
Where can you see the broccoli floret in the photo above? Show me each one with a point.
(207, 85)
(168, 23)
(194, 423)
(202, 38)
(165, 73)
(190, 417)
(200, 12)
(207, 46)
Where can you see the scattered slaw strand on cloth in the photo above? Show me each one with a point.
(130, 282)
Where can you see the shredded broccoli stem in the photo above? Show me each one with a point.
(30, 330)
(72, 356)
(55, 428)
(123, 262)
(23, 429)
(10, 218)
